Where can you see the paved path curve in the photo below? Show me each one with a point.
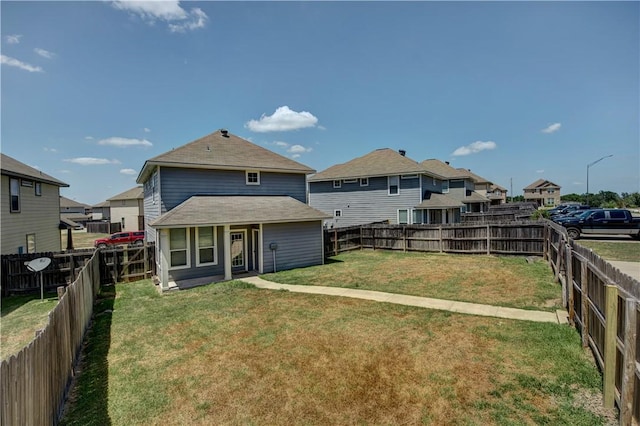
(422, 302)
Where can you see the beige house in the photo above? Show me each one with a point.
(543, 192)
(495, 193)
(29, 209)
(128, 209)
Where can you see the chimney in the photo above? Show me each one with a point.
(224, 132)
(402, 152)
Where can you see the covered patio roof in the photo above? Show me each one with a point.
(439, 201)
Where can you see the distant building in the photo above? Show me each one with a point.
(101, 211)
(128, 209)
(543, 192)
(74, 214)
(29, 209)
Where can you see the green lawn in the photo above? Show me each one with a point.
(625, 250)
(232, 354)
(504, 281)
(21, 317)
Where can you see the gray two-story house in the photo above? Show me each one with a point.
(382, 186)
(221, 205)
(29, 209)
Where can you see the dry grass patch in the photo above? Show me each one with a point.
(231, 354)
(505, 281)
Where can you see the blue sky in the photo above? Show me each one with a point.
(512, 91)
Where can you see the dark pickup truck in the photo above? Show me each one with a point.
(603, 221)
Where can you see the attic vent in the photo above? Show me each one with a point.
(224, 132)
(402, 152)
(208, 148)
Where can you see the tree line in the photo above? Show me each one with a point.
(604, 199)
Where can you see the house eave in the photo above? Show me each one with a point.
(240, 223)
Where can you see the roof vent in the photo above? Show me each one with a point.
(446, 162)
(208, 148)
(402, 152)
(224, 132)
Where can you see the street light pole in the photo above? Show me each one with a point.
(589, 165)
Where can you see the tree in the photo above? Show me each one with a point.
(574, 198)
(631, 200)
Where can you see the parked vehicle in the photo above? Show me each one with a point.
(569, 209)
(564, 217)
(603, 221)
(136, 238)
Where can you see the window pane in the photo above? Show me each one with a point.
(179, 258)
(402, 216)
(178, 239)
(417, 216)
(205, 236)
(206, 255)
(15, 195)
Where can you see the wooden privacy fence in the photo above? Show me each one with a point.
(34, 383)
(103, 227)
(120, 263)
(521, 238)
(602, 303)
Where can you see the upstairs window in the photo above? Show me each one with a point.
(364, 181)
(253, 178)
(394, 185)
(14, 191)
(445, 186)
(38, 189)
(337, 213)
(337, 184)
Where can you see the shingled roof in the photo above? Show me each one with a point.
(212, 210)
(68, 203)
(475, 177)
(443, 169)
(225, 151)
(439, 201)
(130, 194)
(542, 183)
(12, 167)
(381, 162)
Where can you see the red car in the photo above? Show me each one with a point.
(136, 238)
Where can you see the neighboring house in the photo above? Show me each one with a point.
(101, 211)
(29, 209)
(221, 205)
(128, 209)
(542, 192)
(459, 184)
(496, 194)
(385, 185)
(73, 213)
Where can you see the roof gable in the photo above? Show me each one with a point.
(542, 183)
(130, 194)
(476, 178)
(381, 162)
(445, 170)
(223, 150)
(68, 203)
(12, 167)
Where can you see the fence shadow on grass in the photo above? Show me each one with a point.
(90, 395)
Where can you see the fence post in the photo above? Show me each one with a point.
(488, 239)
(546, 241)
(610, 340)
(569, 281)
(335, 242)
(404, 238)
(373, 237)
(440, 229)
(558, 259)
(361, 238)
(629, 368)
(584, 280)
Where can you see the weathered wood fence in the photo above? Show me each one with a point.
(603, 304)
(118, 264)
(521, 238)
(34, 383)
(103, 227)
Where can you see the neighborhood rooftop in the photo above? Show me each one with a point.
(224, 151)
(443, 169)
(13, 167)
(130, 194)
(201, 210)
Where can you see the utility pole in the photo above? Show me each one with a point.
(589, 165)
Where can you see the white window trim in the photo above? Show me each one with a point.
(38, 189)
(11, 195)
(408, 216)
(337, 213)
(445, 191)
(364, 181)
(389, 185)
(247, 177)
(215, 247)
(188, 265)
(337, 183)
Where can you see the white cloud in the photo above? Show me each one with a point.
(89, 138)
(13, 38)
(128, 172)
(552, 128)
(283, 119)
(19, 64)
(91, 161)
(50, 149)
(295, 156)
(146, 130)
(65, 171)
(44, 53)
(280, 143)
(298, 149)
(124, 142)
(474, 148)
(540, 171)
(169, 11)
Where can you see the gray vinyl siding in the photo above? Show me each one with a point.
(427, 185)
(151, 204)
(363, 204)
(178, 184)
(299, 245)
(39, 215)
(458, 188)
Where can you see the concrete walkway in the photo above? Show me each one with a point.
(559, 317)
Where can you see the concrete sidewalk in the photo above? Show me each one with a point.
(630, 268)
(559, 317)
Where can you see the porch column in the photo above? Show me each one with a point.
(260, 250)
(227, 252)
(164, 257)
(444, 216)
